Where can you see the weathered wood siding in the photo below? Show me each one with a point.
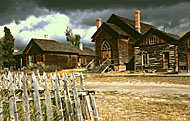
(105, 36)
(123, 51)
(155, 53)
(146, 40)
(63, 60)
(184, 55)
(85, 60)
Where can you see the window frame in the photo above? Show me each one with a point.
(152, 41)
(145, 59)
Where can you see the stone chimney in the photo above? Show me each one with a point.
(98, 22)
(81, 46)
(137, 20)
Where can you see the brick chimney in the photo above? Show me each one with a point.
(98, 22)
(137, 20)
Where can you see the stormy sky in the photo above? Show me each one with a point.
(34, 18)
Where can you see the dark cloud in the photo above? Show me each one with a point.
(16, 10)
(62, 5)
(175, 18)
(173, 14)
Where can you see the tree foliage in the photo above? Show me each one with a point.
(72, 39)
(7, 45)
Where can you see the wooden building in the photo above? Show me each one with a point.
(115, 38)
(157, 51)
(51, 52)
(184, 52)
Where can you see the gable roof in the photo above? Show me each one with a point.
(181, 34)
(54, 46)
(131, 23)
(185, 36)
(20, 52)
(124, 27)
(171, 38)
(113, 29)
(86, 51)
(49, 46)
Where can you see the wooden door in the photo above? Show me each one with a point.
(106, 51)
(165, 60)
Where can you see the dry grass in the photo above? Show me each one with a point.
(118, 106)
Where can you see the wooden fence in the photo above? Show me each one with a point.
(62, 99)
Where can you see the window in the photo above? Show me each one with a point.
(152, 41)
(79, 59)
(106, 46)
(84, 61)
(145, 58)
(30, 59)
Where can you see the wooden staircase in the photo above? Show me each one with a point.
(105, 66)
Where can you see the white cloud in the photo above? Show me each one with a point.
(54, 25)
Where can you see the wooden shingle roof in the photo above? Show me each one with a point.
(171, 38)
(52, 46)
(124, 27)
(131, 23)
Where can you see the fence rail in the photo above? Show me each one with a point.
(53, 97)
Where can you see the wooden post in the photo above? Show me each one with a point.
(12, 101)
(59, 106)
(70, 111)
(90, 111)
(25, 101)
(49, 110)
(1, 108)
(75, 95)
(94, 108)
(82, 81)
(36, 99)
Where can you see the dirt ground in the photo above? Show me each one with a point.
(141, 98)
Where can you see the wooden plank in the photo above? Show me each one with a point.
(36, 94)
(25, 101)
(49, 110)
(94, 107)
(75, 95)
(68, 102)
(1, 108)
(12, 101)
(82, 81)
(59, 107)
(90, 111)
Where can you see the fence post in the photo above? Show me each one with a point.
(1, 108)
(75, 95)
(82, 81)
(94, 108)
(12, 101)
(49, 111)
(59, 106)
(25, 98)
(89, 108)
(36, 99)
(68, 103)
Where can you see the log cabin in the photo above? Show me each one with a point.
(157, 51)
(184, 52)
(115, 38)
(51, 52)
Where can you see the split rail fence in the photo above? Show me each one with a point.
(52, 97)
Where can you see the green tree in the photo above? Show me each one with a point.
(8, 48)
(72, 39)
(1, 52)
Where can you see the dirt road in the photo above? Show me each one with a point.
(139, 87)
